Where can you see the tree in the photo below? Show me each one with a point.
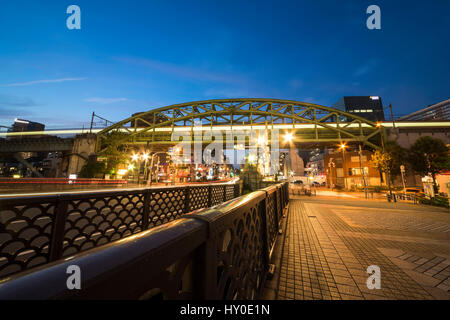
(398, 157)
(92, 169)
(116, 152)
(429, 155)
(382, 161)
(389, 160)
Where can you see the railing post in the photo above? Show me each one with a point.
(266, 231)
(225, 193)
(275, 209)
(286, 190)
(206, 271)
(237, 191)
(58, 230)
(209, 196)
(146, 212)
(186, 199)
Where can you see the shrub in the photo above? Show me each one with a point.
(437, 201)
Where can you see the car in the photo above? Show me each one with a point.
(298, 182)
(412, 190)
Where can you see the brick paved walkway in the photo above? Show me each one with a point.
(329, 243)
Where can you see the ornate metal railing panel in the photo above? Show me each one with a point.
(166, 205)
(271, 218)
(25, 233)
(91, 222)
(38, 230)
(218, 253)
(199, 197)
(239, 253)
(218, 194)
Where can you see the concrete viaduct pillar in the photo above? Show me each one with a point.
(83, 147)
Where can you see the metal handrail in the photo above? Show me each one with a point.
(68, 223)
(218, 253)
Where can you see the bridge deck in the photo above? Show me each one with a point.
(329, 243)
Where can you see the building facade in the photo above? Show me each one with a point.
(21, 125)
(436, 112)
(347, 170)
(368, 107)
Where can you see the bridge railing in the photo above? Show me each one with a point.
(41, 229)
(217, 253)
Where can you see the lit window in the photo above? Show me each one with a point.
(357, 171)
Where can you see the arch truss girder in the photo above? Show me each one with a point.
(246, 112)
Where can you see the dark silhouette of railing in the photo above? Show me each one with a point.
(41, 229)
(221, 252)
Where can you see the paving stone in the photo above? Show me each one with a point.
(326, 257)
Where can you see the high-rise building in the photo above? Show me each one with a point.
(368, 107)
(21, 125)
(436, 112)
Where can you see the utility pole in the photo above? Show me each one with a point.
(402, 170)
(92, 122)
(388, 177)
(331, 164)
(392, 115)
(344, 167)
(362, 171)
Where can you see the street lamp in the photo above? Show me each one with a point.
(342, 147)
(288, 137)
(388, 177)
(363, 172)
(149, 181)
(261, 140)
(251, 158)
(137, 157)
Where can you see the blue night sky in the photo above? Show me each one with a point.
(132, 56)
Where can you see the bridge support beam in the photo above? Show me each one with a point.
(19, 158)
(83, 147)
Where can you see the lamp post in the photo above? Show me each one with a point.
(402, 171)
(331, 165)
(343, 164)
(138, 158)
(362, 171)
(388, 178)
(149, 181)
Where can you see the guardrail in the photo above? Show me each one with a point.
(217, 253)
(401, 196)
(301, 190)
(41, 229)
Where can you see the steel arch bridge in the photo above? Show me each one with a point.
(308, 122)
